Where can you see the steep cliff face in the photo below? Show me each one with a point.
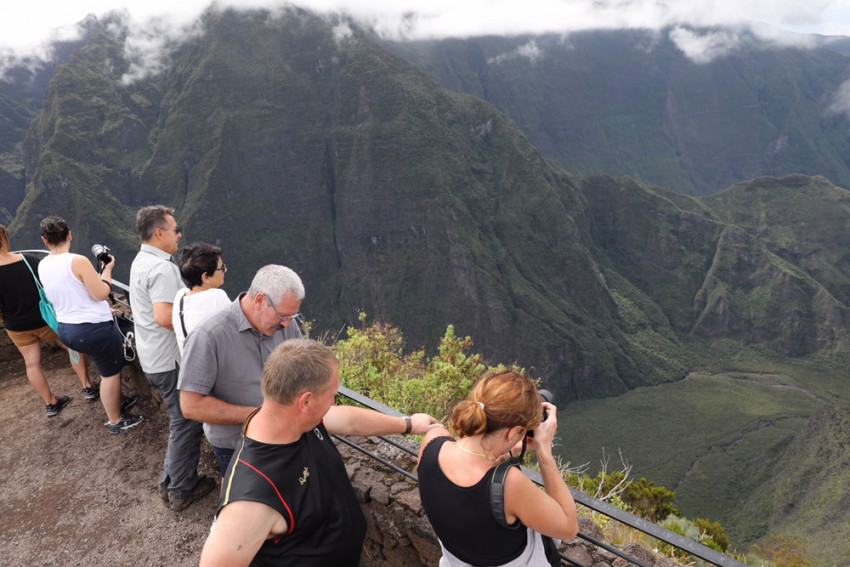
(630, 102)
(337, 158)
(297, 140)
(762, 263)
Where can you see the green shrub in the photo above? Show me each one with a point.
(782, 551)
(372, 362)
(649, 501)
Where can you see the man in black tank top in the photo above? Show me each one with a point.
(286, 498)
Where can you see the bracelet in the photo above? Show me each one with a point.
(107, 282)
(408, 426)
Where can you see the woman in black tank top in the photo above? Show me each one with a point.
(455, 475)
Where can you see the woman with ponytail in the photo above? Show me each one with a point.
(456, 474)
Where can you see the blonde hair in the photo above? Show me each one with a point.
(502, 398)
(297, 366)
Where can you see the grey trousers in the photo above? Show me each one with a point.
(180, 471)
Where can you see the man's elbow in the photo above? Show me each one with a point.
(188, 406)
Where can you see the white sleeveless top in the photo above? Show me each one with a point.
(69, 296)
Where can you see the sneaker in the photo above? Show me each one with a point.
(92, 392)
(54, 409)
(127, 402)
(204, 486)
(126, 422)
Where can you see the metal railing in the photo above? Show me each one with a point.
(693, 548)
(687, 545)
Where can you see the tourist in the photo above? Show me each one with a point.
(455, 477)
(154, 281)
(85, 320)
(203, 270)
(221, 376)
(286, 497)
(20, 313)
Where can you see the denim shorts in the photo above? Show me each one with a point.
(101, 341)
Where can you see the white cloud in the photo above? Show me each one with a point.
(705, 47)
(841, 100)
(27, 27)
(528, 50)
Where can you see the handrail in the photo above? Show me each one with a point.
(692, 547)
(688, 545)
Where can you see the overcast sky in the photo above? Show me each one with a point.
(26, 26)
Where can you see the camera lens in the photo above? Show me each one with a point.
(545, 396)
(101, 252)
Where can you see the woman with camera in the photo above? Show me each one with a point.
(79, 296)
(203, 271)
(25, 326)
(456, 477)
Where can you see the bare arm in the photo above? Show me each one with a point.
(209, 409)
(162, 315)
(553, 512)
(97, 288)
(239, 532)
(349, 420)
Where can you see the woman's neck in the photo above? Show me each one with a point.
(474, 446)
(198, 289)
(60, 248)
(8, 257)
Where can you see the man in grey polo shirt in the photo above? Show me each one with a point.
(223, 358)
(154, 281)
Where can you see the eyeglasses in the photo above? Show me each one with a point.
(283, 319)
(223, 268)
(175, 229)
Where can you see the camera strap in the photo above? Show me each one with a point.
(182, 322)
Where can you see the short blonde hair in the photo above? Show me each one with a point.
(297, 366)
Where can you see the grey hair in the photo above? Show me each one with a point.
(150, 218)
(276, 281)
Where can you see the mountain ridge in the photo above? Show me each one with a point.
(291, 140)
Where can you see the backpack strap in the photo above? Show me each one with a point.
(497, 493)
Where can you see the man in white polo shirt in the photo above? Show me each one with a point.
(154, 281)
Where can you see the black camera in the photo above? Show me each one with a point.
(101, 252)
(545, 396)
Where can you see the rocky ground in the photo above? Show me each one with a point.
(72, 494)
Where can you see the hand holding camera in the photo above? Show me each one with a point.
(548, 426)
(101, 252)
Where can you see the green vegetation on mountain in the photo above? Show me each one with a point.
(298, 140)
(631, 103)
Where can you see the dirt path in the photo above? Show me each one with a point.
(72, 494)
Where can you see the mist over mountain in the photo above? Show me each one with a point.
(302, 140)
(634, 102)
